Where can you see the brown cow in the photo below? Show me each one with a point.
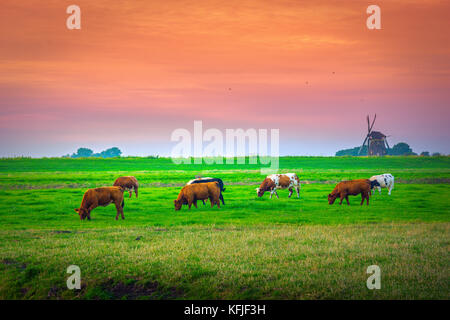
(351, 188)
(101, 197)
(128, 183)
(199, 191)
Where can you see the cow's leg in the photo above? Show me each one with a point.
(119, 210)
(290, 192)
(92, 207)
(195, 204)
(203, 202)
(275, 191)
(364, 196)
(346, 198)
(341, 196)
(221, 198)
(298, 191)
(190, 200)
(119, 203)
(136, 191)
(391, 186)
(379, 190)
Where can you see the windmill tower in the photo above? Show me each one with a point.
(377, 144)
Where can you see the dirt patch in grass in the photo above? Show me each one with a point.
(62, 231)
(133, 290)
(12, 262)
(54, 292)
(425, 181)
(181, 184)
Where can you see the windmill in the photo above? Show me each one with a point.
(377, 144)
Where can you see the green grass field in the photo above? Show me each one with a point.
(251, 248)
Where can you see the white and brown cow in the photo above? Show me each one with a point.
(280, 181)
(385, 180)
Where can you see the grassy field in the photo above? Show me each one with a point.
(253, 248)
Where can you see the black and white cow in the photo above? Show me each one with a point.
(208, 179)
(385, 181)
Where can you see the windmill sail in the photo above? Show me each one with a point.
(376, 141)
(362, 146)
(373, 122)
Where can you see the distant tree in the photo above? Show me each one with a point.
(425, 154)
(111, 153)
(436, 154)
(83, 153)
(352, 152)
(86, 153)
(401, 149)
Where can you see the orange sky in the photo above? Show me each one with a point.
(137, 70)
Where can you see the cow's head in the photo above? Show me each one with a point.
(266, 185)
(260, 192)
(83, 213)
(331, 198)
(374, 183)
(178, 204)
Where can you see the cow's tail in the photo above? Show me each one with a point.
(222, 189)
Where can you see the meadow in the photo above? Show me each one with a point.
(251, 248)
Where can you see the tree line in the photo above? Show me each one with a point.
(88, 153)
(400, 149)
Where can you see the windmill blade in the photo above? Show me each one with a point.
(385, 140)
(360, 149)
(368, 124)
(373, 122)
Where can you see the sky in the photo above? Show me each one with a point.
(138, 70)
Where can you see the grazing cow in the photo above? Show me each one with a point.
(101, 197)
(351, 188)
(198, 191)
(279, 181)
(208, 179)
(128, 183)
(384, 181)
